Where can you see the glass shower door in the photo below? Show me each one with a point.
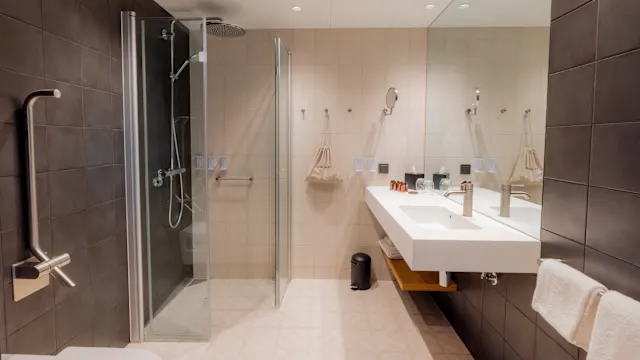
(175, 246)
(283, 166)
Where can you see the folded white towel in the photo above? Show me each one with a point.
(568, 300)
(389, 248)
(616, 332)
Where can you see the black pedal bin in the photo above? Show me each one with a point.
(360, 271)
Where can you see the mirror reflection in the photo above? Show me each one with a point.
(486, 105)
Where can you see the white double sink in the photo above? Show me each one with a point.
(432, 235)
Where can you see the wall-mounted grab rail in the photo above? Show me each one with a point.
(46, 265)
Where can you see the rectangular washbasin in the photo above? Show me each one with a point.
(437, 218)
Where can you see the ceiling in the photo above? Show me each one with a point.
(278, 14)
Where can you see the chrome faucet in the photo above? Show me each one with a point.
(506, 191)
(467, 190)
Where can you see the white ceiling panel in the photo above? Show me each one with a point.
(277, 14)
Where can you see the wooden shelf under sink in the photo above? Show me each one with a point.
(409, 280)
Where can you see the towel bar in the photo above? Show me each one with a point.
(220, 178)
(540, 261)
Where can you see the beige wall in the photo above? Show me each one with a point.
(510, 66)
(340, 70)
(333, 69)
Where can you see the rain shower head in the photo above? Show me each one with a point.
(218, 27)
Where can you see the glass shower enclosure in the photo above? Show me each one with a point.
(180, 191)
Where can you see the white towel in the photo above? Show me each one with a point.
(616, 333)
(389, 248)
(568, 300)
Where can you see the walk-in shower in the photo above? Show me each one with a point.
(177, 211)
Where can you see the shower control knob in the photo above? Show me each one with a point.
(158, 181)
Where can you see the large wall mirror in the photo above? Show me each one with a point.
(486, 104)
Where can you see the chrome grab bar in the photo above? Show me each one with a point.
(236, 178)
(46, 265)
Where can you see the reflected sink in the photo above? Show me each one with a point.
(437, 217)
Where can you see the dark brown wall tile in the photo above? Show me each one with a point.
(111, 328)
(493, 309)
(83, 339)
(509, 353)
(69, 232)
(28, 11)
(62, 59)
(10, 203)
(42, 191)
(618, 27)
(471, 287)
(570, 97)
(492, 342)
(520, 292)
(100, 185)
(544, 326)
(116, 76)
(95, 25)
(612, 225)
(19, 314)
(15, 248)
(565, 209)
(62, 17)
(97, 109)
(67, 110)
(41, 149)
(103, 256)
(567, 153)
(66, 146)
(547, 349)
(101, 220)
(572, 39)
(110, 289)
(615, 274)
(613, 162)
(562, 7)
(15, 55)
(118, 147)
(68, 191)
(118, 181)
(9, 152)
(617, 91)
(117, 111)
(17, 87)
(520, 333)
(99, 147)
(557, 247)
(96, 70)
(73, 316)
(42, 329)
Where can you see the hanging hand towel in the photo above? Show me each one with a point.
(528, 168)
(616, 333)
(322, 167)
(567, 299)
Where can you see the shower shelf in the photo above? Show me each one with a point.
(409, 280)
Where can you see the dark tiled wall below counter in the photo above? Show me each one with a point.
(72, 45)
(591, 200)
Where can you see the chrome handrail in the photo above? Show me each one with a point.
(46, 264)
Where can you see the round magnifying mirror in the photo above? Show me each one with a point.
(392, 97)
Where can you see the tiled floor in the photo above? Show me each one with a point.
(321, 319)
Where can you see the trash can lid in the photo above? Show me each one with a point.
(361, 257)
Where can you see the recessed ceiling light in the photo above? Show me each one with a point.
(430, 6)
(464, 6)
(296, 8)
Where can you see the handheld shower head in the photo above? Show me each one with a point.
(199, 57)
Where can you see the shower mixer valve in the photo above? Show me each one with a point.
(158, 181)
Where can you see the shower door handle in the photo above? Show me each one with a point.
(44, 265)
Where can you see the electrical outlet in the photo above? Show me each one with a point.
(465, 169)
(383, 168)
